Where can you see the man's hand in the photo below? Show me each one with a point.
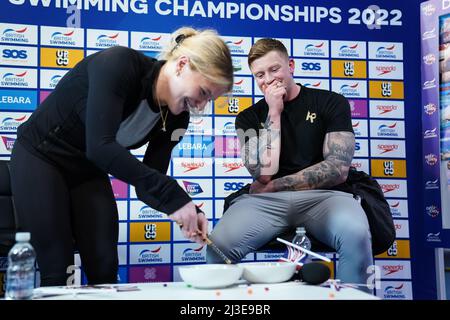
(194, 226)
(258, 187)
(275, 94)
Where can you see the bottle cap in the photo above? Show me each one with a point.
(300, 230)
(23, 236)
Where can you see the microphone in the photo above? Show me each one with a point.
(313, 273)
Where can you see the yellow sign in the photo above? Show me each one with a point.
(60, 58)
(348, 69)
(398, 250)
(231, 106)
(389, 168)
(149, 231)
(386, 90)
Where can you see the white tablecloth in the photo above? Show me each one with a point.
(181, 291)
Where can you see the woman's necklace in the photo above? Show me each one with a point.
(163, 118)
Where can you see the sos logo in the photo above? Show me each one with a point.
(15, 54)
(311, 66)
(233, 186)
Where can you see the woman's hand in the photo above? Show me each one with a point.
(194, 226)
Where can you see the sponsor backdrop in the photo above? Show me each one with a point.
(435, 40)
(366, 51)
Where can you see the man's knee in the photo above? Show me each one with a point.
(232, 252)
(353, 236)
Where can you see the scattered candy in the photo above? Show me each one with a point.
(165, 284)
(189, 286)
(250, 291)
(218, 293)
(267, 289)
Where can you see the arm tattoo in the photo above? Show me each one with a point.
(256, 145)
(338, 153)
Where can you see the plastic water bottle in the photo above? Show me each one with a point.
(303, 241)
(21, 271)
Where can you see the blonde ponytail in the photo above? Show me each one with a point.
(207, 52)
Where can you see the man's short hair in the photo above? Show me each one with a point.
(263, 47)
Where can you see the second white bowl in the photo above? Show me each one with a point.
(268, 272)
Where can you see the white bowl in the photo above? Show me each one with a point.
(208, 276)
(268, 272)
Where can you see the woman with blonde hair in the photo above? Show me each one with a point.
(112, 101)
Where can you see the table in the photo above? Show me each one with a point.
(293, 290)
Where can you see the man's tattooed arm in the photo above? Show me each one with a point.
(261, 153)
(338, 150)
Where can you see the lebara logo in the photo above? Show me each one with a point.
(150, 256)
(104, 40)
(430, 108)
(192, 188)
(432, 211)
(429, 84)
(431, 159)
(349, 90)
(429, 59)
(236, 46)
(8, 143)
(315, 50)
(434, 237)
(429, 34)
(191, 166)
(11, 124)
(149, 213)
(149, 43)
(17, 80)
(388, 131)
(15, 35)
(314, 85)
(391, 292)
(63, 39)
(428, 134)
(192, 255)
(386, 52)
(428, 9)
